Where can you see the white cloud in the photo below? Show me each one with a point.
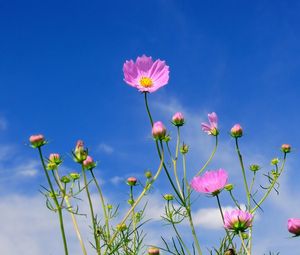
(117, 180)
(103, 147)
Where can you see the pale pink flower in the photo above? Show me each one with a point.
(286, 148)
(237, 220)
(146, 75)
(37, 140)
(158, 130)
(178, 119)
(211, 182)
(294, 226)
(80, 153)
(236, 131)
(211, 128)
(131, 181)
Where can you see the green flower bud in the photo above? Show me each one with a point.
(65, 179)
(254, 167)
(168, 197)
(229, 187)
(184, 149)
(130, 201)
(148, 174)
(275, 161)
(74, 176)
(121, 227)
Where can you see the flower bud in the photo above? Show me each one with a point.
(286, 148)
(275, 161)
(121, 227)
(236, 131)
(51, 166)
(88, 163)
(130, 201)
(148, 174)
(254, 167)
(52, 195)
(168, 197)
(178, 119)
(109, 206)
(55, 158)
(153, 251)
(229, 252)
(65, 179)
(229, 187)
(131, 181)
(167, 138)
(158, 130)
(245, 236)
(37, 141)
(294, 226)
(184, 149)
(74, 176)
(80, 153)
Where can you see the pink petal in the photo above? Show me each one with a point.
(213, 119)
(144, 64)
(130, 72)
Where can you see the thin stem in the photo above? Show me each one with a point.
(222, 215)
(97, 242)
(102, 203)
(193, 231)
(252, 182)
(138, 199)
(210, 158)
(234, 200)
(59, 209)
(66, 197)
(243, 243)
(175, 163)
(243, 171)
(271, 186)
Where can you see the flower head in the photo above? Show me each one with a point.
(146, 75)
(211, 128)
(153, 251)
(54, 161)
(80, 153)
(131, 181)
(294, 226)
(286, 148)
(89, 163)
(37, 140)
(211, 182)
(236, 131)
(178, 119)
(237, 220)
(158, 130)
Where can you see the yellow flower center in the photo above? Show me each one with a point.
(146, 82)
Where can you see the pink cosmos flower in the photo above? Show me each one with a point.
(211, 128)
(158, 130)
(237, 220)
(294, 226)
(211, 182)
(146, 75)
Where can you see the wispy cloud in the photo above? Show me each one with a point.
(3, 123)
(107, 149)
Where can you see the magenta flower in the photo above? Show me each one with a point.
(294, 226)
(211, 182)
(158, 130)
(237, 220)
(211, 128)
(146, 75)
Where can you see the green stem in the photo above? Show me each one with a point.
(66, 197)
(102, 203)
(175, 163)
(133, 220)
(243, 243)
(193, 231)
(97, 242)
(210, 158)
(234, 200)
(243, 171)
(59, 209)
(222, 215)
(271, 187)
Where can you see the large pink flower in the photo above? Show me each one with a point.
(211, 182)
(146, 75)
(237, 220)
(211, 128)
(294, 226)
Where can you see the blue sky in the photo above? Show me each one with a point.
(61, 75)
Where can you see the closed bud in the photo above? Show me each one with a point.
(245, 236)
(121, 227)
(109, 206)
(130, 201)
(88, 163)
(37, 141)
(153, 251)
(178, 119)
(80, 153)
(236, 131)
(168, 197)
(254, 167)
(55, 158)
(148, 174)
(229, 252)
(184, 149)
(286, 148)
(275, 161)
(65, 179)
(51, 166)
(229, 187)
(131, 181)
(158, 131)
(167, 138)
(74, 176)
